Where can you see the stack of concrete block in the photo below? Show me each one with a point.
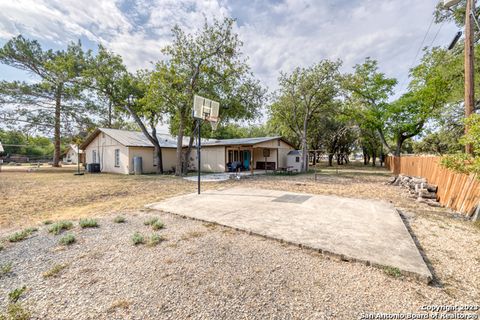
(419, 188)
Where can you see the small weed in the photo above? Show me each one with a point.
(477, 224)
(16, 294)
(5, 269)
(15, 311)
(67, 239)
(1, 247)
(119, 219)
(154, 240)
(119, 304)
(157, 225)
(21, 235)
(47, 222)
(88, 223)
(58, 227)
(392, 272)
(150, 221)
(191, 235)
(138, 238)
(211, 226)
(55, 270)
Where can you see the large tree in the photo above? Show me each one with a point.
(210, 63)
(304, 94)
(54, 99)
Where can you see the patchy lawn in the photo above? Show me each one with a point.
(188, 269)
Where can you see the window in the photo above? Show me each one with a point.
(117, 157)
(94, 156)
(297, 159)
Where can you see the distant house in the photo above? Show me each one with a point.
(73, 155)
(115, 149)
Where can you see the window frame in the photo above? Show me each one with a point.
(116, 158)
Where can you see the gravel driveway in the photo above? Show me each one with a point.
(200, 271)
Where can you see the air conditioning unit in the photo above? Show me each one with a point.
(450, 3)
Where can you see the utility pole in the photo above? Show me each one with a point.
(469, 71)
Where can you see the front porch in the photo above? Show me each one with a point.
(249, 159)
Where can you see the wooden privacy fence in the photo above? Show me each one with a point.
(457, 191)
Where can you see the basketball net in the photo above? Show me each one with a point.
(213, 122)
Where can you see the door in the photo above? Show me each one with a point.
(246, 159)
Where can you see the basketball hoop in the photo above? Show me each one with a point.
(213, 122)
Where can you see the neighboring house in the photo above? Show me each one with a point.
(72, 156)
(115, 149)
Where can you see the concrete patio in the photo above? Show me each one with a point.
(362, 230)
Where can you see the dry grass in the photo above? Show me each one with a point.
(31, 197)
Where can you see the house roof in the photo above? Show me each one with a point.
(138, 139)
(131, 138)
(241, 141)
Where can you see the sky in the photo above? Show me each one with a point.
(277, 35)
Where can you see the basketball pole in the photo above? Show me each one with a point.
(199, 146)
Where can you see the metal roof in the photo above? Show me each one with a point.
(138, 139)
(239, 141)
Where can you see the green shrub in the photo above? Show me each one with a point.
(150, 221)
(55, 270)
(119, 219)
(67, 239)
(15, 295)
(47, 222)
(154, 240)
(393, 272)
(88, 223)
(58, 227)
(21, 235)
(15, 311)
(157, 225)
(138, 238)
(5, 269)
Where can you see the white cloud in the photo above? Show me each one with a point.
(277, 35)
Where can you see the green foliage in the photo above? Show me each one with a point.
(15, 311)
(138, 238)
(465, 163)
(67, 239)
(16, 294)
(392, 272)
(47, 222)
(21, 235)
(154, 240)
(58, 227)
(151, 221)
(119, 219)
(88, 223)
(157, 225)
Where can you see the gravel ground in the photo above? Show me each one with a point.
(203, 271)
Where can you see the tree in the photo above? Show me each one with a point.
(304, 94)
(209, 63)
(55, 101)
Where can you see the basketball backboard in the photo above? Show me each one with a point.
(205, 109)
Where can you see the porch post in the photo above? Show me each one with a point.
(251, 160)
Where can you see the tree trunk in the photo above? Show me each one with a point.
(374, 158)
(189, 149)
(398, 149)
(330, 159)
(158, 159)
(109, 113)
(181, 129)
(304, 146)
(58, 106)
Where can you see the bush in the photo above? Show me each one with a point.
(88, 223)
(67, 239)
(119, 219)
(154, 240)
(393, 272)
(157, 225)
(58, 227)
(150, 221)
(138, 238)
(47, 222)
(21, 235)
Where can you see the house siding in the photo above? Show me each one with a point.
(105, 146)
(213, 159)
(147, 154)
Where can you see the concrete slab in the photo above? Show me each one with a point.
(355, 229)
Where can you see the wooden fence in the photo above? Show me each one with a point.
(459, 192)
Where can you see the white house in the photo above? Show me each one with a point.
(115, 149)
(72, 156)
